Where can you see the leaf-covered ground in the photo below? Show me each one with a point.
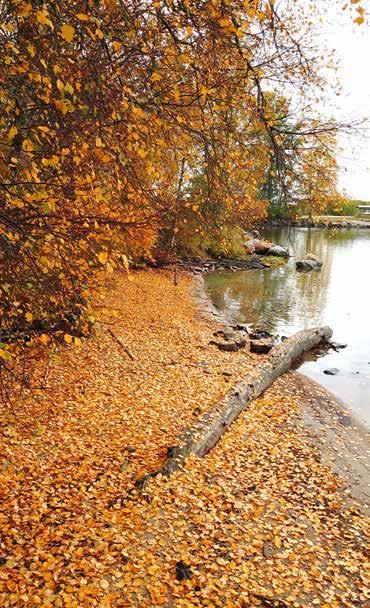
(261, 519)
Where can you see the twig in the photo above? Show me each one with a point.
(120, 343)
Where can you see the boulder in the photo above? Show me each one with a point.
(309, 262)
(250, 245)
(229, 340)
(261, 347)
(230, 347)
(262, 246)
(278, 251)
(260, 334)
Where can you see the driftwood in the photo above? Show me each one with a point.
(205, 433)
(226, 264)
(197, 265)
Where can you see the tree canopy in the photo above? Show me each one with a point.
(124, 121)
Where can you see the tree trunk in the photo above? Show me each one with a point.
(205, 433)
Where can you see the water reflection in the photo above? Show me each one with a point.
(285, 301)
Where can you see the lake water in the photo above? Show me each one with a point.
(284, 301)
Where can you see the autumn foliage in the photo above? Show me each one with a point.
(125, 123)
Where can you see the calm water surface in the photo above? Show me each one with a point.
(285, 301)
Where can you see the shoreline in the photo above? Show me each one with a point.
(262, 518)
(344, 441)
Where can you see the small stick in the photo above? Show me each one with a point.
(124, 348)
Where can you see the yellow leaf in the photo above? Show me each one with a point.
(142, 153)
(67, 32)
(224, 22)
(77, 341)
(27, 145)
(44, 339)
(12, 133)
(44, 19)
(60, 85)
(99, 33)
(61, 106)
(29, 316)
(82, 17)
(41, 17)
(68, 338)
(103, 257)
(68, 88)
(359, 20)
(117, 46)
(31, 50)
(98, 142)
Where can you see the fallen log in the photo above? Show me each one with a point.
(200, 438)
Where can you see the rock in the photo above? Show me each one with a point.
(228, 334)
(255, 234)
(130, 449)
(182, 571)
(250, 246)
(260, 334)
(232, 340)
(201, 364)
(232, 346)
(261, 347)
(309, 262)
(332, 371)
(242, 327)
(278, 251)
(338, 345)
(345, 420)
(262, 246)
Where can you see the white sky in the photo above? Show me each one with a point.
(351, 43)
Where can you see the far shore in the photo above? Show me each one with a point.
(323, 221)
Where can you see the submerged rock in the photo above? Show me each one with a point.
(278, 251)
(338, 345)
(332, 371)
(309, 262)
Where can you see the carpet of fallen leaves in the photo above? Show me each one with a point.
(260, 521)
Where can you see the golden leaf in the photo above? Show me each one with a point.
(27, 145)
(67, 32)
(103, 257)
(12, 133)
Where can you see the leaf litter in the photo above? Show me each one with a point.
(261, 521)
